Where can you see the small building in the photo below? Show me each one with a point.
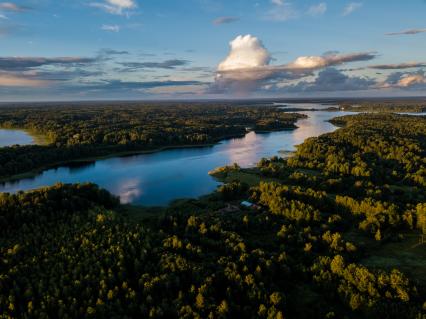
(246, 204)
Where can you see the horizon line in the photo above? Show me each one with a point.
(409, 97)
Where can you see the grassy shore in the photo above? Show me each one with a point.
(39, 139)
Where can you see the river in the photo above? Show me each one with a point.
(158, 178)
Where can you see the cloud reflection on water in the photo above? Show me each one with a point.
(128, 190)
(244, 151)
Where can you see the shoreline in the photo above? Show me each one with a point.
(35, 172)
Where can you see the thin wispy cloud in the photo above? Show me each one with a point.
(318, 9)
(13, 80)
(7, 30)
(281, 11)
(23, 63)
(45, 72)
(168, 64)
(12, 7)
(225, 20)
(408, 65)
(135, 85)
(408, 32)
(113, 52)
(110, 28)
(351, 7)
(118, 7)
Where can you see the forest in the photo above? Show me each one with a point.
(391, 106)
(309, 248)
(358, 105)
(76, 132)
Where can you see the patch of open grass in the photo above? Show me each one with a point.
(308, 171)
(141, 213)
(251, 177)
(407, 255)
(151, 214)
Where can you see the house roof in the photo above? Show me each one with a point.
(246, 203)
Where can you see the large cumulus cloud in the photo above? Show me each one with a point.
(247, 66)
(246, 52)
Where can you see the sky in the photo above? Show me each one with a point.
(55, 50)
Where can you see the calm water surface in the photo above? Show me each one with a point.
(158, 178)
(13, 137)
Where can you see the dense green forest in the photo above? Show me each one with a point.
(385, 106)
(83, 131)
(328, 238)
(371, 106)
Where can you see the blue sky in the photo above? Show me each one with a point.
(164, 49)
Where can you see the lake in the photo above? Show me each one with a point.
(13, 137)
(158, 178)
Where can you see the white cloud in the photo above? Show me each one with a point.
(246, 52)
(308, 62)
(410, 80)
(406, 80)
(317, 10)
(317, 62)
(351, 7)
(110, 28)
(278, 2)
(124, 4)
(247, 65)
(115, 6)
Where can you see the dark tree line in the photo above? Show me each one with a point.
(391, 106)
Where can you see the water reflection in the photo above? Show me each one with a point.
(244, 150)
(316, 124)
(158, 178)
(129, 190)
(78, 166)
(13, 137)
